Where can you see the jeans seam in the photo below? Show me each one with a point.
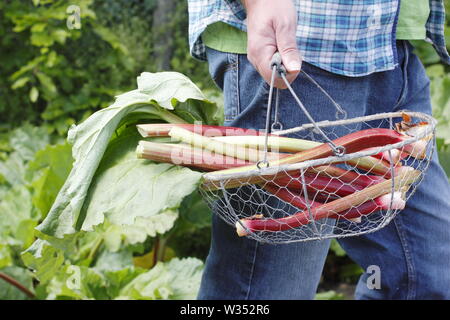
(252, 269)
(411, 293)
(233, 67)
(404, 91)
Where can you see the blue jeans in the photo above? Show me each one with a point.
(412, 251)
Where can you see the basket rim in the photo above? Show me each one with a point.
(212, 176)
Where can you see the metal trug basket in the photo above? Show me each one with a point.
(256, 194)
(247, 200)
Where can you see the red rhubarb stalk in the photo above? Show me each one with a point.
(318, 183)
(348, 176)
(352, 142)
(296, 200)
(380, 203)
(186, 155)
(405, 177)
(289, 197)
(371, 206)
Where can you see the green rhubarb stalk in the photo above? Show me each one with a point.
(352, 142)
(285, 144)
(228, 149)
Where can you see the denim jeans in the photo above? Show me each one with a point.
(412, 251)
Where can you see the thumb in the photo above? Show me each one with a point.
(287, 46)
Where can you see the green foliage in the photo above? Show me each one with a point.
(97, 204)
(156, 95)
(58, 76)
(329, 295)
(52, 77)
(439, 75)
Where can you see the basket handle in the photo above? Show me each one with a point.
(277, 67)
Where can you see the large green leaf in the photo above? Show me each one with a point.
(13, 169)
(27, 140)
(47, 172)
(137, 188)
(126, 204)
(444, 159)
(119, 279)
(5, 256)
(77, 282)
(156, 94)
(177, 279)
(44, 259)
(117, 235)
(17, 218)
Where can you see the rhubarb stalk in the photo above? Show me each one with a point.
(231, 150)
(405, 177)
(370, 164)
(352, 142)
(163, 129)
(186, 155)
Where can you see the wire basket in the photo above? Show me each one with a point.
(337, 194)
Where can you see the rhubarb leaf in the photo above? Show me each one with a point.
(156, 95)
(136, 188)
(77, 282)
(13, 169)
(5, 256)
(47, 173)
(120, 278)
(176, 279)
(138, 232)
(167, 87)
(144, 208)
(17, 218)
(44, 259)
(27, 140)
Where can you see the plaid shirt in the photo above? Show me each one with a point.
(348, 37)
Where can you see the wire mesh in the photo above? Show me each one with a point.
(326, 197)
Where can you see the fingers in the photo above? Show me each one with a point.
(261, 57)
(287, 46)
(271, 27)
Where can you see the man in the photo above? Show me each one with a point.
(358, 51)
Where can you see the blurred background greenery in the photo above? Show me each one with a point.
(52, 76)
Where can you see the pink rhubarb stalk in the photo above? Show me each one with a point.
(405, 177)
(186, 155)
(352, 142)
(163, 129)
(316, 183)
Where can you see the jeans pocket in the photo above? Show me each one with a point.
(231, 88)
(224, 70)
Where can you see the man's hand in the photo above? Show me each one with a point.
(271, 27)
